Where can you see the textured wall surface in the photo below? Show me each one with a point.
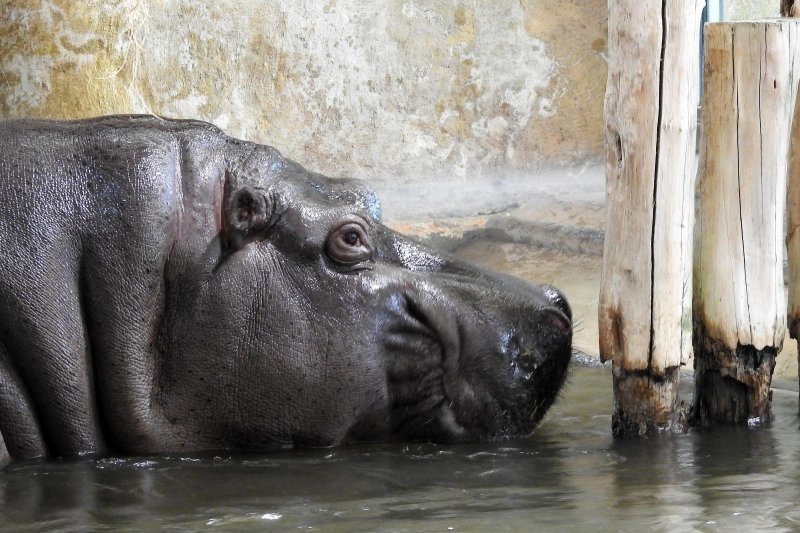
(370, 88)
(752, 9)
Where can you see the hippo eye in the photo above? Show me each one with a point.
(348, 243)
(352, 238)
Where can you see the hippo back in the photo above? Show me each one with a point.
(91, 212)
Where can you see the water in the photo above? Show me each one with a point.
(569, 475)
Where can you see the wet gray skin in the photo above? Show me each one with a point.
(168, 288)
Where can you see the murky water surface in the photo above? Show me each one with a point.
(570, 475)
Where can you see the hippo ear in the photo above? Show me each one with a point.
(247, 217)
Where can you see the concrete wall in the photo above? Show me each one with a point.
(369, 88)
(751, 9)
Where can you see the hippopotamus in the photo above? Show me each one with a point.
(166, 288)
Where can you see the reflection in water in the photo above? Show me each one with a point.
(569, 475)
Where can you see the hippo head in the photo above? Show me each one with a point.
(339, 329)
(310, 323)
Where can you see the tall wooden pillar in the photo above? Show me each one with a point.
(650, 115)
(793, 208)
(739, 304)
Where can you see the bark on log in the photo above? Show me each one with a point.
(739, 304)
(645, 296)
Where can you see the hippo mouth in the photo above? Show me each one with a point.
(421, 407)
(447, 387)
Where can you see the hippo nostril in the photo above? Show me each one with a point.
(559, 322)
(556, 320)
(556, 298)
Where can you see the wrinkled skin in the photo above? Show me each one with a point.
(164, 287)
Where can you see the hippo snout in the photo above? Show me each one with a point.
(553, 324)
(553, 330)
(557, 299)
(504, 346)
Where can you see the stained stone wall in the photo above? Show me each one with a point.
(751, 9)
(370, 88)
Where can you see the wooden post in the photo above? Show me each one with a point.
(793, 215)
(739, 303)
(645, 295)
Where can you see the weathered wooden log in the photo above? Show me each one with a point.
(793, 215)
(645, 295)
(739, 304)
